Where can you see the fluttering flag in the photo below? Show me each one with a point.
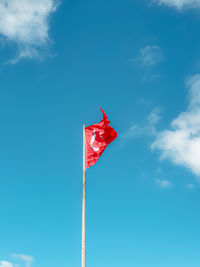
(98, 137)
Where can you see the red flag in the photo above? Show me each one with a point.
(97, 137)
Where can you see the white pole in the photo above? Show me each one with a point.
(83, 207)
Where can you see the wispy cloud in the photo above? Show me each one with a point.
(190, 186)
(149, 56)
(180, 4)
(27, 259)
(130, 133)
(5, 264)
(148, 128)
(163, 183)
(26, 24)
(152, 119)
(181, 144)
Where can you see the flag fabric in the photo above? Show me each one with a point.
(98, 137)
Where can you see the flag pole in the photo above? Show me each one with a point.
(83, 204)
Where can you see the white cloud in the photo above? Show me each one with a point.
(147, 129)
(26, 23)
(27, 259)
(5, 264)
(149, 56)
(163, 183)
(181, 144)
(180, 4)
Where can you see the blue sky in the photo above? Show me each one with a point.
(59, 63)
